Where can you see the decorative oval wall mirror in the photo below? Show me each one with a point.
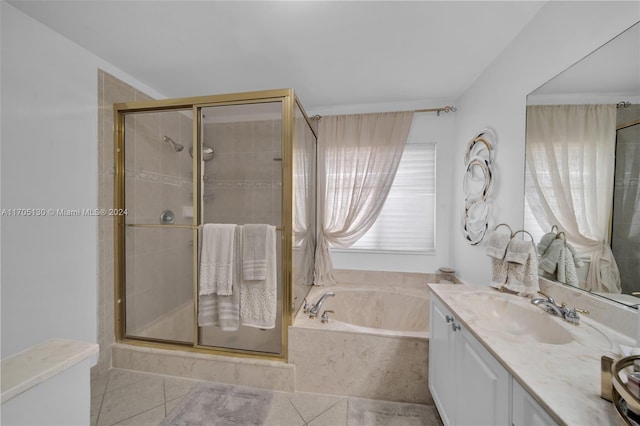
(477, 184)
(583, 167)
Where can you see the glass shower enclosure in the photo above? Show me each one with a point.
(246, 158)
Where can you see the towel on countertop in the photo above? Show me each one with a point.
(259, 298)
(223, 311)
(217, 259)
(254, 252)
(497, 244)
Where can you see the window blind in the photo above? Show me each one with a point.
(407, 220)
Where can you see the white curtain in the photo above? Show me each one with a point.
(570, 155)
(357, 161)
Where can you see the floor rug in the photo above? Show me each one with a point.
(369, 412)
(221, 405)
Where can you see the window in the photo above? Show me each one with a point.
(407, 220)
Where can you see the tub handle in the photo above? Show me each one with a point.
(325, 316)
(307, 307)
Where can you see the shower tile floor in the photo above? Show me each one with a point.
(124, 397)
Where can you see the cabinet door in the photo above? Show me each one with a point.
(441, 361)
(483, 395)
(526, 410)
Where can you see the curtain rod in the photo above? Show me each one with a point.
(448, 108)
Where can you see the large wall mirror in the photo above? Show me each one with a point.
(582, 192)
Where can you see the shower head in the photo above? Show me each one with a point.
(176, 146)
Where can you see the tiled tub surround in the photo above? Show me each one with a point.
(564, 378)
(395, 362)
(385, 357)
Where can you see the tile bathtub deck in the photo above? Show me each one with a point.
(124, 397)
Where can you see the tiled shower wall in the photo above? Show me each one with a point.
(243, 182)
(159, 267)
(156, 178)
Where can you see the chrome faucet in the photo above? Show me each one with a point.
(314, 309)
(549, 305)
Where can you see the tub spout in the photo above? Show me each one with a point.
(313, 312)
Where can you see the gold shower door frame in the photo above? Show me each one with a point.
(289, 102)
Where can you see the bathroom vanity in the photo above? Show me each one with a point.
(494, 358)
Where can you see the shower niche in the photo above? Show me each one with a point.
(246, 158)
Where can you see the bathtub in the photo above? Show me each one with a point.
(375, 345)
(371, 310)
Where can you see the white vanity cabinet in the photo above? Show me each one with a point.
(442, 383)
(525, 410)
(468, 385)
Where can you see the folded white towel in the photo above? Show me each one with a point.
(499, 269)
(518, 251)
(545, 242)
(523, 277)
(259, 299)
(223, 311)
(550, 258)
(497, 244)
(628, 350)
(567, 272)
(576, 259)
(254, 252)
(217, 259)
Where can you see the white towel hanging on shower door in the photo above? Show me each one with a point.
(259, 298)
(223, 311)
(217, 259)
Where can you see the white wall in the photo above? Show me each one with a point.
(558, 36)
(48, 161)
(426, 127)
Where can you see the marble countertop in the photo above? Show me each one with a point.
(26, 369)
(563, 378)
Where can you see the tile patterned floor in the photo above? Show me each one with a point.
(124, 397)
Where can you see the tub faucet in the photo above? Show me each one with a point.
(313, 311)
(549, 305)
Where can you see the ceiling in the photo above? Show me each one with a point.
(331, 52)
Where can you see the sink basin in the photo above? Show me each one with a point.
(497, 312)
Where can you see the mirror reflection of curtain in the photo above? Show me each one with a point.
(569, 180)
(358, 158)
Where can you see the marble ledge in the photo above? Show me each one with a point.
(562, 378)
(39, 363)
